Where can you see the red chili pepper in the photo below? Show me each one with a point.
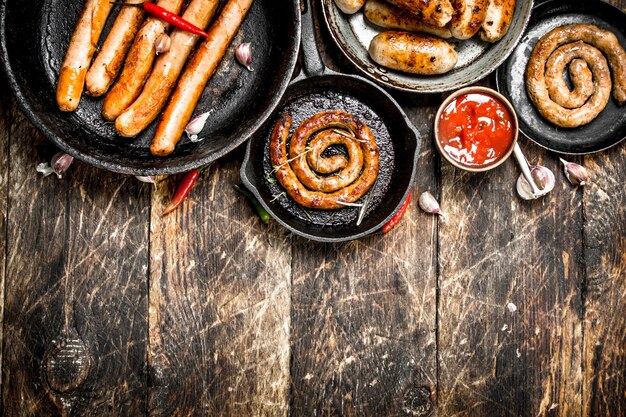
(168, 16)
(183, 190)
(398, 216)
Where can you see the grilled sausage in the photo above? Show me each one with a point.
(197, 73)
(79, 53)
(109, 60)
(468, 17)
(299, 178)
(385, 15)
(166, 70)
(497, 20)
(349, 6)
(432, 12)
(138, 64)
(589, 43)
(413, 53)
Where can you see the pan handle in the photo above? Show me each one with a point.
(313, 64)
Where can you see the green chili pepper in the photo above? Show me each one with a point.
(263, 214)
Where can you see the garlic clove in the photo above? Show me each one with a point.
(243, 53)
(195, 126)
(60, 163)
(543, 178)
(576, 174)
(429, 204)
(162, 44)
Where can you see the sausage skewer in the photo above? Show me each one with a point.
(82, 46)
(200, 68)
(166, 71)
(109, 60)
(138, 63)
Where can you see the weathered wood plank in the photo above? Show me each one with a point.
(5, 102)
(605, 290)
(363, 313)
(521, 358)
(363, 318)
(76, 288)
(219, 304)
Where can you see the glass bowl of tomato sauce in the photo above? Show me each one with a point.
(476, 129)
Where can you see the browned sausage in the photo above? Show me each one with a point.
(497, 19)
(299, 178)
(349, 6)
(109, 60)
(166, 70)
(432, 12)
(468, 17)
(413, 53)
(79, 53)
(559, 115)
(592, 37)
(200, 68)
(385, 15)
(138, 64)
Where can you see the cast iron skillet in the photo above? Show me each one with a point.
(323, 89)
(34, 35)
(609, 128)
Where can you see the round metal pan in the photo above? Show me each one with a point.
(609, 128)
(398, 142)
(34, 35)
(476, 59)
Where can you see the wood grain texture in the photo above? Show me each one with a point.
(522, 358)
(219, 304)
(76, 293)
(605, 290)
(5, 103)
(363, 313)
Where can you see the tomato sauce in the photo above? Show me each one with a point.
(476, 129)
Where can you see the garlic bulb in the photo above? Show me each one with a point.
(429, 204)
(576, 174)
(243, 53)
(543, 178)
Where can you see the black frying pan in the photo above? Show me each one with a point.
(35, 33)
(323, 89)
(609, 128)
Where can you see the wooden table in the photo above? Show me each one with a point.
(511, 308)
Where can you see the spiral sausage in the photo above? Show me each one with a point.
(299, 174)
(586, 42)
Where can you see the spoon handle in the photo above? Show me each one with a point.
(523, 163)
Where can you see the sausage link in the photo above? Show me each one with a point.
(200, 68)
(594, 43)
(110, 58)
(298, 177)
(497, 20)
(138, 64)
(413, 53)
(569, 118)
(468, 17)
(432, 12)
(79, 53)
(385, 15)
(349, 6)
(166, 70)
